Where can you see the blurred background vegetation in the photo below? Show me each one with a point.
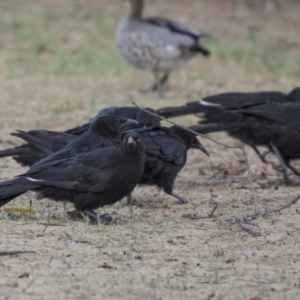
(59, 64)
(77, 36)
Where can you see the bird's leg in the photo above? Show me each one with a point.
(153, 87)
(286, 177)
(164, 79)
(161, 84)
(94, 216)
(265, 154)
(129, 199)
(294, 170)
(158, 84)
(261, 156)
(180, 199)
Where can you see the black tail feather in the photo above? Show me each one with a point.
(216, 127)
(201, 49)
(36, 139)
(13, 188)
(11, 151)
(171, 112)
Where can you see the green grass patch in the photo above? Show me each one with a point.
(77, 38)
(278, 57)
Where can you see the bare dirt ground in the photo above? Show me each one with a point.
(158, 250)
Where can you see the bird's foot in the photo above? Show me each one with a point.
(130, 200)
(94, 217)
(180, 199)
(152, 88)
(277, 168)
(155, 87)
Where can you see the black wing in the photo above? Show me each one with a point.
(163, 143)
(284, 113)
(47, 142)
(89, 172)
(239, 100)
(174, 27)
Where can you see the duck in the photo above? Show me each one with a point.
(156, 44)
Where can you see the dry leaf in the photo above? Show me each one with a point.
(260, 168)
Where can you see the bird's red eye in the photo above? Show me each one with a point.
(138, 140)
(124, 140)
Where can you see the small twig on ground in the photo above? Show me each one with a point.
(213, 210)
(247, 227)
(195, 217)
(15, 252)
(290, 203)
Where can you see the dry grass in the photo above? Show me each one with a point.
(58, 67)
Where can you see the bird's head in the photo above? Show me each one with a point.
(190, 139)
(111, 124)
(136, 8)
(133, 141)
(146, 119)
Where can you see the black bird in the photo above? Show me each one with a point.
(89, 180)
(213, 107)
(166, 151)
(279, 130)
(246, 117)
(129, 112)
(166, 154)
(105, 131)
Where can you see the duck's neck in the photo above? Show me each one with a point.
(136, 10)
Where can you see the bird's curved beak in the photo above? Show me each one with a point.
(201, 148)
(131, 140)
(128, 123)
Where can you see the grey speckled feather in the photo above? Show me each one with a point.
(156, 44)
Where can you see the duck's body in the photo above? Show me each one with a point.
(156, 44)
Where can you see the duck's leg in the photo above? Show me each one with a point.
(161, 84)
(158, 84)
(153, 87)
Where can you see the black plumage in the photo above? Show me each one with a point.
(104, 131)
(258, 119)
(129, 112)
(166, 154)
(39, 144)
(214, 107)
(89, 180)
